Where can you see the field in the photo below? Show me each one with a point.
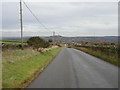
(109, 54)
(12, 42)
(20, 67)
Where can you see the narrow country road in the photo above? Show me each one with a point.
(75, 69)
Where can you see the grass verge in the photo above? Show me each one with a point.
(12, 42)
(111, 59)
(20, 73)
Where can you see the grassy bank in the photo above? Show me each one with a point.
(109, 56)
(20, 67)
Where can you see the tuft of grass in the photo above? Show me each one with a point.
(20, 73)
(113, 59)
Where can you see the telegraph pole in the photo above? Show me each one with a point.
(21, 24)
(54, 38)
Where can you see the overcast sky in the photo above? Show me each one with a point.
(65, 18)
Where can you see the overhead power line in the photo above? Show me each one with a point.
(35, 16)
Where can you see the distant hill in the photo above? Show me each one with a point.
(109, 39)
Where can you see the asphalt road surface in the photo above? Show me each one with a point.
(75, 69)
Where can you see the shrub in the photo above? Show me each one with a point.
(50, 40)
(37, 42)
(46, 44)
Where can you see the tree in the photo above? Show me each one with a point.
(112, 43)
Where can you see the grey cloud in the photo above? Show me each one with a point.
(66, 18)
